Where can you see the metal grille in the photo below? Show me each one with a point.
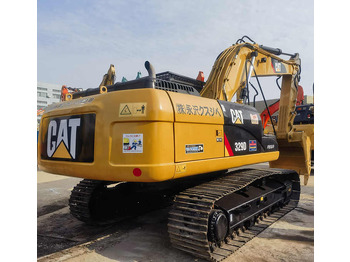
(175, 87)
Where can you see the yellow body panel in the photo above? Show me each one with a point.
(109, 161)
(158, 138)
(166, 132)
(216, 164)
(198, 134)
(196, 109)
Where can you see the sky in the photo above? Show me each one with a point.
(78, 40)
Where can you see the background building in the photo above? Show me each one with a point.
(47, 94)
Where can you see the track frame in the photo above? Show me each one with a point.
(190, 225)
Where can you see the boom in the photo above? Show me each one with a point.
(229, 78)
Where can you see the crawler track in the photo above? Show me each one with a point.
(82, 198)
(189, 217)
(104, 202)
(98, 202)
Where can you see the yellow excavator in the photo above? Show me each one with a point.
(156, 140)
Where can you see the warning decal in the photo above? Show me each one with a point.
(132, 109)
(254, 119)
(132, 143)
(125, 111)
(180, 168)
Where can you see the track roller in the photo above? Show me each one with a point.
(218, 226)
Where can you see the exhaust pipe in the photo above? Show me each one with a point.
(150, 69)
(151, 73)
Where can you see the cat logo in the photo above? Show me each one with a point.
(61, 138)
(236, 116)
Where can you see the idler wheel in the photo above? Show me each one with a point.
(218, 226)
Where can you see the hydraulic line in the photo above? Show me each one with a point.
(278, 78)
(256, 93)
(249, 74)
(246, 80)
(262, 93)
(242, 41)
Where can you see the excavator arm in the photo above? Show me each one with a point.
(108, 79)
(229, 81)
(273, 108)
(234, 66)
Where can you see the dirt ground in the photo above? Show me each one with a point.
(144, 238)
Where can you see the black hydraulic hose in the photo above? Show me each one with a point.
(278, 78)
(248, 94)
(246, 79)
(242, 41)
(262, 93)
(256, 93)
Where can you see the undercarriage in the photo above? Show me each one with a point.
(210, 217)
